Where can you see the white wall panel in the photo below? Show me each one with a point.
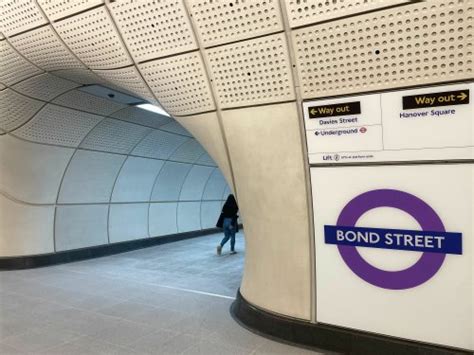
(189, 216)
(219, 22)
(128, 221)
(162, 219)
(425, 42)
(92, 36)
(58, 125)
(215, 186)
(24, 229)
(193, 187)
(16, 109)
(270, 182)
(45, 86)
(206, 159)
(169, 182)
(210, 212)
(136, 179)
(128, 79)
(175, 127)
(305, 12)
(154, 29)
(159, 145)
(18, 16)
(90, 177)
(55, 9)
(44, 48)
(86, 102)
(13, 67)
(227, 192)
(410, 198)
(140, 116)
(252, 72)
(31, 172)
(188, 152)
(206, 129)
(179, 83)
(80, 226)
(114, 136)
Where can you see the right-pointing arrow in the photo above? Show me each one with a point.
(462, 96)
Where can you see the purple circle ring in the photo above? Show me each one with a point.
(420, 272)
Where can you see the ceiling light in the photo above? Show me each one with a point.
(153, 108)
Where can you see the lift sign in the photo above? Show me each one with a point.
(433, 240)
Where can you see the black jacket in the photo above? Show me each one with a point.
(229, 210)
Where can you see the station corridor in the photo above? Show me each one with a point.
(169, 299)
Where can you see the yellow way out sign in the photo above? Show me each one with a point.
(447, 98)
(342, 109)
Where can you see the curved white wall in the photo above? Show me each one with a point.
(74, 179)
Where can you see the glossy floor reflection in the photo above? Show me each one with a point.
(169, 299)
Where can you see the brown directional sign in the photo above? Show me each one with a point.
(447, 98)
(342, 109)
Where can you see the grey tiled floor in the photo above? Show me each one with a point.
(169, 299)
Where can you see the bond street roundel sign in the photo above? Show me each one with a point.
(433, 240)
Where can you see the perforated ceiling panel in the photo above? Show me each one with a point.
(13, 67)
(45, 86)
(179, 83)
(189, 152)
(107, 92)
(252, 72)
(159, 145)
(152, 28)
(305, 12)
(126, 79)
(19, 15)
(114, 136)
(93, 38)
(58, 125)
(16, 109)
(81, 76)
(86, 102)
(420, 43)
(56, 9)
(44, 48)
(140, 116)
(221, 22)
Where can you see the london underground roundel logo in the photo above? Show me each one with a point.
(432, 240)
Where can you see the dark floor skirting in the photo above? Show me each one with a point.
(325, 337)
(32, 261)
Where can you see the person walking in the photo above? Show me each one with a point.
(228, 222)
